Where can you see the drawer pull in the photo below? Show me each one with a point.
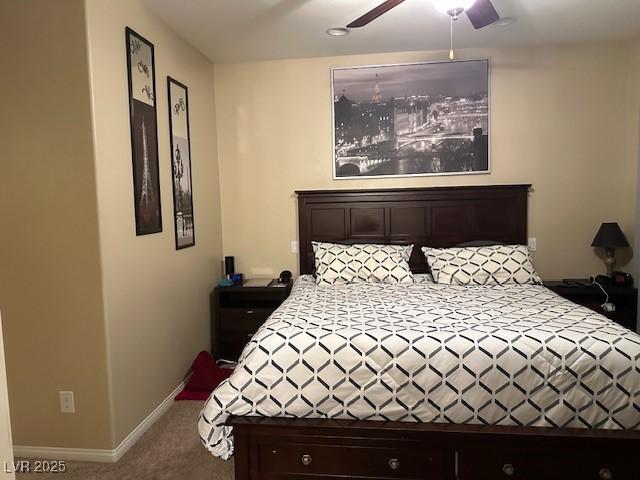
(306, 460)
(394, 463)
(249, 312)
(508, 469)
(605, 474)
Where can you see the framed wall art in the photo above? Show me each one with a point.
(180, 140)
(411, 119)
(144, 133)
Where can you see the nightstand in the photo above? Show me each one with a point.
(238, 312)
(624, 298)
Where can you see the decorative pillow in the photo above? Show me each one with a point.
(490, 265)
(362, 263)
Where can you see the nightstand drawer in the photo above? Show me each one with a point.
(238, 312)
(243, 320)
(232, 345)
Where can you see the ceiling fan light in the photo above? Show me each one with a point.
(445, 6)
(338, 31)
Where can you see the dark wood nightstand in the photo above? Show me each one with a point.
(237, 313)
(624, 298)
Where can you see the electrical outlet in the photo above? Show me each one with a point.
(533, 244)
(294, 246)
(67, 404)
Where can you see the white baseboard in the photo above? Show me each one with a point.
(60, 453)
(96, 454)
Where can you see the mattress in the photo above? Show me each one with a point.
(501, 355)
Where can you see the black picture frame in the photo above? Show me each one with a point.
(143, 119)
(183, 214)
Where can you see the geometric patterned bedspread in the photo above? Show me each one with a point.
(502, 355)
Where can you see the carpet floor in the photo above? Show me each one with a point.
(169, 450)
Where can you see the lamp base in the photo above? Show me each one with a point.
(610, 260)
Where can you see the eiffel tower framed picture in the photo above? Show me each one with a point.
(144, 133)
(180, 140)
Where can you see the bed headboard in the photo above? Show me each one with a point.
(436, 217)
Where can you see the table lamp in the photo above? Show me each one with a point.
(610, 237)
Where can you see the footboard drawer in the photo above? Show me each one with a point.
(531, 463)
(279, 460)
(516, 464)
(313, 449)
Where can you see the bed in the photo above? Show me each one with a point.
(428, 380)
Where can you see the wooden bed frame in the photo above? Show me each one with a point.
(284, 448)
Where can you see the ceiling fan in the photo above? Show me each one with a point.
(480, 12)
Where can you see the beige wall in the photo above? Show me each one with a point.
(156, 298)
(558, 122)
(6, 449)
(87, 305)
(50, 286)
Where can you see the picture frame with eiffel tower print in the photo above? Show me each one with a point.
(144, 133)
(180, 140)
(414, 119)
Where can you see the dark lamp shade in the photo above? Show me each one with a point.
(609, 236)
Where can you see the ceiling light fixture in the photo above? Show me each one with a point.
(338, 31)
(453, 8)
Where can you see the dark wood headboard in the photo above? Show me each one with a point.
(436, 217)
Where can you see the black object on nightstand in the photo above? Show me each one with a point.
(238, 312)
(584, 293)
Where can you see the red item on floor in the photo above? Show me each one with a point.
(206, 376)
(187, 395)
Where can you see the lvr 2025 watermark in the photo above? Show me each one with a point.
(36, 466)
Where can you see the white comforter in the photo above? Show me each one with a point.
(508, 355)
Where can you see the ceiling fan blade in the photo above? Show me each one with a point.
(371, 15)
(482, 13)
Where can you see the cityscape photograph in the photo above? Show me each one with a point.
(414, 119)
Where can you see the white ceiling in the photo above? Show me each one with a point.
(242, 30)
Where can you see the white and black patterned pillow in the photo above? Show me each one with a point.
(359, 263)
(490, 265)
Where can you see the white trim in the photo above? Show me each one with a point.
(75, 454)
(96, 454)
(137, 432)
